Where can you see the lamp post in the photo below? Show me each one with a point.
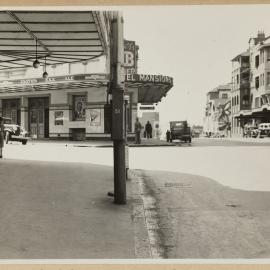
(118, 107)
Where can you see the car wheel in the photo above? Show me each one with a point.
(7, 136)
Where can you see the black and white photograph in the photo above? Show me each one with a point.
(135, 133)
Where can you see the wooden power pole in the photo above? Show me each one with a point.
(118, 107)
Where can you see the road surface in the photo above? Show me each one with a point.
(234, 164)
(207, 201)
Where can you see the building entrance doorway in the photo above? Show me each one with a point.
(39, 117)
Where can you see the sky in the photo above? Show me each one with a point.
(194, 45)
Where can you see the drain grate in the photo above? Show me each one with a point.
(178, 185)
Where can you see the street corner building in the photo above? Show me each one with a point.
(55, 74)
(251, 85)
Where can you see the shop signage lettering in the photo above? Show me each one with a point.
(49, 80)
(56, 79)
(27, 81)
(69, 78)
(149, 78)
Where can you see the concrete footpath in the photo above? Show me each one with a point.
(54, 210)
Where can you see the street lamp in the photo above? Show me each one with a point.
(45, 74)
(36, 62)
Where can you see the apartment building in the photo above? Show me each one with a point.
(240, 96)
(251, 85)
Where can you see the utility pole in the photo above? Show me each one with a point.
(118, 107)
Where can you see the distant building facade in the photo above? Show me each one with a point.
(217, 119)
(149, 113)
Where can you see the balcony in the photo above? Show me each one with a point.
(244, 82)
(245, 65)
(245, 106)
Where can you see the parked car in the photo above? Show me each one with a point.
(13, 132)
(180, 130)
(264, 130)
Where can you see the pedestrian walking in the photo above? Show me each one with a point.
(168, 135)
(148, 129)
(137, 129)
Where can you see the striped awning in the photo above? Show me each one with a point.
(60, 36)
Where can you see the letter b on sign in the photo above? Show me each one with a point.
(129, 59)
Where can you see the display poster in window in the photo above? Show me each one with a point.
(58, 118)
(95, 117)
(79, 108)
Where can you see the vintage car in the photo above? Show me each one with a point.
(250, 131)
(180, 130)
(13, 132)
(264, 130)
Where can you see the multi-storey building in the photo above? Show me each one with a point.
(259, 49)
(240, 96)
(251, 85)
(217, 114)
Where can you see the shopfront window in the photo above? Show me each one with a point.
(257, 82)
(224, 96)
(257, 62)
(268, 78)
(11, 110)
(79, 103)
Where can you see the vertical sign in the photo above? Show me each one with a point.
(130, 57)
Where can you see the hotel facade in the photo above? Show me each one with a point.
(74, 101)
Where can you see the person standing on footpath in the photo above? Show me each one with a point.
(148, 128)
(137, 129)
(168, 136)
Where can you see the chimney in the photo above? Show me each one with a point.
(260, 36)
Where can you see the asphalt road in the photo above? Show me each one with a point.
(231, 163)
(208, 200)
(197, 218)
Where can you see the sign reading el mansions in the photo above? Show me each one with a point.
(149, 78)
